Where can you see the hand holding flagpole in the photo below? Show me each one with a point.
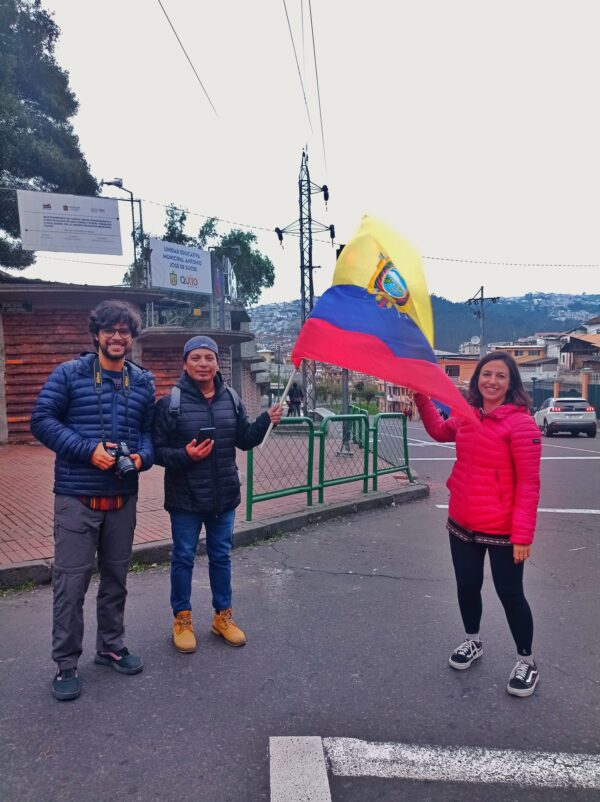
(281, 400)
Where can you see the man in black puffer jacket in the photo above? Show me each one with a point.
(196, 441)
(89, 411)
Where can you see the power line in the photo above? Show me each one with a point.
(297, 64)
(504, 264)
(187, 57)
(270, 230)
(312, 30)
(209, 216)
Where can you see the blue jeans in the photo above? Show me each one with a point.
(185, 529)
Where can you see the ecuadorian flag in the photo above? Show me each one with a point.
(376, 317)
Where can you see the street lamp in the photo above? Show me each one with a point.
(118, 183)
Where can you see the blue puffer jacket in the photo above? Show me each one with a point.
(66, 419)
(210, 485)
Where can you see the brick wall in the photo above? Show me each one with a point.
(34, 344)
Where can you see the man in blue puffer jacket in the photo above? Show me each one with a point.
(96, 413)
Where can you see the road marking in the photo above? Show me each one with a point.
(298, 767)
(566, 511)
(453, 459)
(298, 770)
(588, 450)
(570, 458)
(350, 757)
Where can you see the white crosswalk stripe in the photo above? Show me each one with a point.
(299, 766)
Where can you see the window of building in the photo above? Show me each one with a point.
(453, 370)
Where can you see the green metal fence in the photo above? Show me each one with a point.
(390, 446)
(298, 458)
(291, 446)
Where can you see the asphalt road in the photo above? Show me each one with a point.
(349, 627)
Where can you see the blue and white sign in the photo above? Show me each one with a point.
(177, 267)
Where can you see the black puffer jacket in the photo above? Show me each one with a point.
(209, 485)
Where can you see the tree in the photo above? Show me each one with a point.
(38, 147)
(253, 270)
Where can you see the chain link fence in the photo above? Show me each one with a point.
(298, 458)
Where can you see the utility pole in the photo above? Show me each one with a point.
(304, 226)
(480, 300)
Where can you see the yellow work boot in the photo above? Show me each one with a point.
(183, 632)
(224, 625)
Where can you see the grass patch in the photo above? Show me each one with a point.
(266, 541)
(26, 587)
(138, 568)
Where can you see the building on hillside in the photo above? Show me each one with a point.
(523, 349)
(545, 369)
(459, 367)
(580, 351)
(592, 326)
(472, 348)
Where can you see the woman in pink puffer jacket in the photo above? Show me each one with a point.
(494, 491)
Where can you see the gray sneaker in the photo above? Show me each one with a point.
(121, 661)
(465, 654)
(65, 685)
(523, 679)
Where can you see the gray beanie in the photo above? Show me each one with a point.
(200, 341)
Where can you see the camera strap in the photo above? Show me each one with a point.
(126, 385)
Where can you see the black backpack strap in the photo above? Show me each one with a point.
(175, 402)
(237, 401)
(174, 407)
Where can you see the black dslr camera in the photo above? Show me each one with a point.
(124, 464)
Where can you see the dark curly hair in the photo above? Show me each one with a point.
(107, 313)
(516, 392)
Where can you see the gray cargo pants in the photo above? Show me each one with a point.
(80, 534)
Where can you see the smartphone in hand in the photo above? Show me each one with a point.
(208, 432)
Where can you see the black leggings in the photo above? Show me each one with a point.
(508, 580)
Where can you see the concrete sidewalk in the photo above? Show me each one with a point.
(26, 510)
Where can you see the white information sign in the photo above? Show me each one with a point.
(177, 267)
(69, 223)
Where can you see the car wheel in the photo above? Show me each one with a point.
(575, 434)
(591, 433)
(546, 430)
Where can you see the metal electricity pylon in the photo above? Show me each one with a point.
(479, 299)
(304, 227)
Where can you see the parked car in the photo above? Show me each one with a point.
(573, 415)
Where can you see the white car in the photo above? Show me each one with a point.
(571, 415)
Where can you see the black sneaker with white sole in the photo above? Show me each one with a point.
(523, 679)
(465, 654)
(65, 685)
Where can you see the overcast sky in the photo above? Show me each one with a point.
(470, 126)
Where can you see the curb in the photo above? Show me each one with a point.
(39, 572)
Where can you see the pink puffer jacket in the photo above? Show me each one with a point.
(495, 483)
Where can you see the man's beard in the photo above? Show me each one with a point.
(107, 355)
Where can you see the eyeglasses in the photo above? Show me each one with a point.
(122, 332)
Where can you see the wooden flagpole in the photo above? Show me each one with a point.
(281, 400)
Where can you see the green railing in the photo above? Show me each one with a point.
(304, 426)
(343, 443)
(362, 421)
(393, 453)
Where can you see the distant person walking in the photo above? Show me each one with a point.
(494, 492)
(96, 413)
(295, 399)
(196, 440)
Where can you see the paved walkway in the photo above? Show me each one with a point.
(26, 500)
